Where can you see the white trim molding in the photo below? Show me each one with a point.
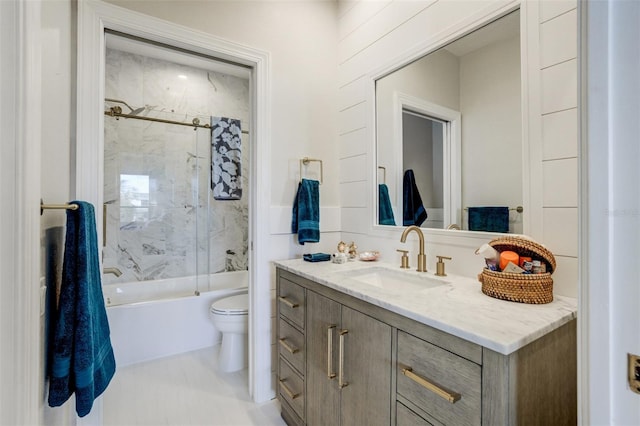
(20, 348)
(609, 210)
(93, 18)
(451, 151)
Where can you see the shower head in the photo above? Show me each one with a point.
(132, 111)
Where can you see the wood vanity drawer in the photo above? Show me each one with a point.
(291, 345)
(291, 302)
(406, 417)
(291, 388)
(433, 379)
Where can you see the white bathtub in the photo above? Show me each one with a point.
(175, 321)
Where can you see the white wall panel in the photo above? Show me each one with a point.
(424, 29)
(352, 118)
(396, 14)
(280, 218)
(549, 9)
(352, 94)
(560, 87)
(345, 6)
(560, 184)
(358, 15)
(354, 194)
(355, 220)
(565, 278)
(560, 134)
(352, 143)
(559, 39)
(561, 230)
(353, 169)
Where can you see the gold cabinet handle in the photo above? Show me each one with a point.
(330, 373)
(452, 397)
(288, 302)
(288, 347)
(288, 391)
(341, 382)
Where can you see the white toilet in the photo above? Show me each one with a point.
(230, 316)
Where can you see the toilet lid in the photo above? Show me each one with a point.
(232, 305)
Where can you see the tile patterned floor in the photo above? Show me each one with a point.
(184, 389)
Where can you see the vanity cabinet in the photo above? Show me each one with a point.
(359, 364)
(291, 346)
(348, 365)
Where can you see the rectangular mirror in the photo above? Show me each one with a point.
(449, 135)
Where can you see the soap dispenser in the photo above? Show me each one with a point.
(440, 266)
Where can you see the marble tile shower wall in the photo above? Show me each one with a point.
(162, 220)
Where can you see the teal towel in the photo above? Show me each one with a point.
(385, 212)
(83, 360)
(305, 218)
(490, 219)
(413, 210)
(316, 257)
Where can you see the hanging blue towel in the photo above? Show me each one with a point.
(83, 360)
(489, 219)
(305, 218)
(385, 212)
(413, 210)
(226, 158)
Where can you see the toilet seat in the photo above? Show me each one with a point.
(233, 305)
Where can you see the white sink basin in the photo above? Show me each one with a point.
(389, 279)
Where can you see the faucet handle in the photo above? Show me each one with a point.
(440, 266)
(404, 259)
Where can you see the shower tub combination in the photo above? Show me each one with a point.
(154, 319)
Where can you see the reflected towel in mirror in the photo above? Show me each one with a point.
(489, 219)
(414, 212)
(385, 212)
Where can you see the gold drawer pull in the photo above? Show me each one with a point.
(288, 391)
(452, 397)
(288, 302)
(330, 373)
(341, 382)
(288, 347)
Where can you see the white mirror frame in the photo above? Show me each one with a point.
(451, 151)
(446, 36)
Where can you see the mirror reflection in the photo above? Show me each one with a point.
(449, 135)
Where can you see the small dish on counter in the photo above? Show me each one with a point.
(369, 256)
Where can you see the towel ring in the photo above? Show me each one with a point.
(306, 161)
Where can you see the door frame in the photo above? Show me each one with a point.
(93, 18)
(21, 369)
(451, 151)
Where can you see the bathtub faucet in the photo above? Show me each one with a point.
(115, 271)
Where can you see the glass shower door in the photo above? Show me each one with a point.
(155, 188)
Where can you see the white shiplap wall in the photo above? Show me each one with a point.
(372, 34)
(559, 129)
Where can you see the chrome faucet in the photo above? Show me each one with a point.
(115, 271)
(422, 258)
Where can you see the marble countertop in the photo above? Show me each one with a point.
(452, 304)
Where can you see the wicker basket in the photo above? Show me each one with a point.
(524, 288)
